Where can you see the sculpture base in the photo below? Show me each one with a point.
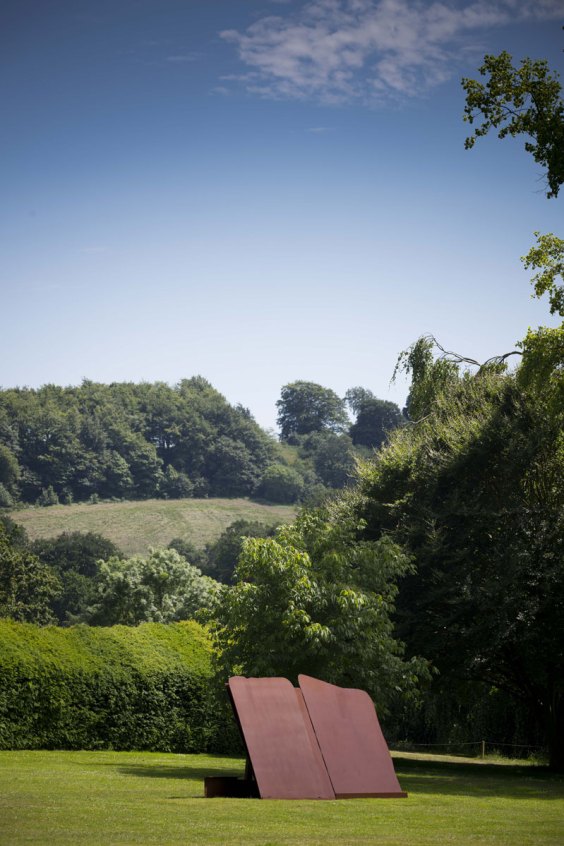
(229, 787)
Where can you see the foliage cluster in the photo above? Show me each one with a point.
(128, 441)
(83, 578)
(525, 100)
(28, 586)
(474, 491)
(138, 441)
(306, 407)
(219, 559)
(318, 600)
(107, 688)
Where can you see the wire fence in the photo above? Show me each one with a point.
(483, 747)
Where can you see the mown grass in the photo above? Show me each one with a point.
(105, 798)
(136, 525)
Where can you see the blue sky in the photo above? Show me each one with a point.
(259, 192)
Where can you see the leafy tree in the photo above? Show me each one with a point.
(474, 492)
(79, 551)
(316, 600)
(74, 557)
(222, 556)
(375, 418)
(231, 469)
(16, 534)
(162, 588)
(306, 407)
(355, 398)
(6, 499)
(47, 497)
(547, 257)
(175, 484)
(27, 586)
(9, 469)
(520, 101)
(542, 370)
(281, 484)
(197, 557)
(332, 456)
(429, 376)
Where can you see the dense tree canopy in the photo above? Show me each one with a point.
(74, 557)
(315, 600)
(27, 585)
(161, 588)
(474, 491)
(306, 407)
(128, 441)
(222, 555)
(375, 418)
(136, 441)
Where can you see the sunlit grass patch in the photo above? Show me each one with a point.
(136, 525)
(151, 798)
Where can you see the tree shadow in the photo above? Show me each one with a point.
(194, 773)
(443, 778)
(479, 780)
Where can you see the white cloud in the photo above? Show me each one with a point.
(342, 50)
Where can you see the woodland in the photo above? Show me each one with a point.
(139, 441)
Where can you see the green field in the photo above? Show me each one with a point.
(136, 525)
(142, 798)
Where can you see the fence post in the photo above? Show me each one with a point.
(483, 749)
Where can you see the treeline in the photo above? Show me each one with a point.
(131, 441)
(138, 441)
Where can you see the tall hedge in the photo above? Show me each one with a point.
(107, 688)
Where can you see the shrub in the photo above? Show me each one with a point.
(48, 496)
(146, 688)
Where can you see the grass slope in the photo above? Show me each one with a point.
(136, 525)
(96, 798)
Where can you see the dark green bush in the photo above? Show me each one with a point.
(144, 688)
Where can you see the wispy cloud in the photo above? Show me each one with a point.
(342, 50)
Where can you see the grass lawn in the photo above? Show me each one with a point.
(139, 798)
(136, 525)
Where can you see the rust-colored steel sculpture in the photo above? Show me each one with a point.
(318, 741)
(280, 741)
(351, 740)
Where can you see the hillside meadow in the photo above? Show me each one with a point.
(134, 526)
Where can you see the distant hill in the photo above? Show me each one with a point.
(135, 526)
(128, 441)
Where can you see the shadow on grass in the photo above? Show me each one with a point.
(479, 780)
(195, 773)
(447, 778)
